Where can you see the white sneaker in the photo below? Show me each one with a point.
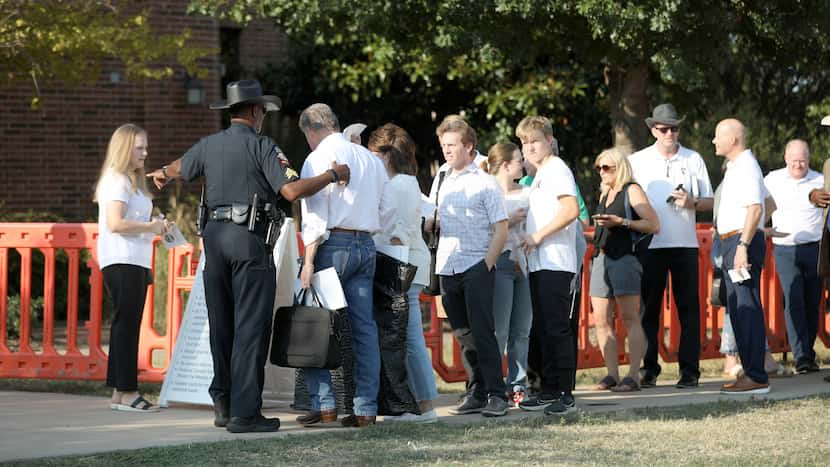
(426, 417)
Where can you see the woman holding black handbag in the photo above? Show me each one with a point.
(616, 271)
(397, 150)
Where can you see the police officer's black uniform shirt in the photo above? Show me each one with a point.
(237, 163)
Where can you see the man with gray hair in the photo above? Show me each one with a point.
(337, 227)
(796, 254)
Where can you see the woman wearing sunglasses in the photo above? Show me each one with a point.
(616, 271)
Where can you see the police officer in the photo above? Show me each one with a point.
(243, 172)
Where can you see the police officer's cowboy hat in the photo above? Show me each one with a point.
(247, 91)
(664, 114)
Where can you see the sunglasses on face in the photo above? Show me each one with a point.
(605, 168)
(665, 129)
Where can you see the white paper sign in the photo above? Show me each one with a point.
(191, 367)
(328, 288)
(173, 237)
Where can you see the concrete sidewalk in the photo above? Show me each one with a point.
(45, 424)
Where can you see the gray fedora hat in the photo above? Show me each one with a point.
(247, 90)
(665, 114)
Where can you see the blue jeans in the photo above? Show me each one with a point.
(353, 257)
(797, 267)
(744, 305)
(418, 364)
(513, 317)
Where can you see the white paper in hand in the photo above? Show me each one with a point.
(173, 237)
(328, 288)
(738, 275)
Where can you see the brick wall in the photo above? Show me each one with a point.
(51, 157)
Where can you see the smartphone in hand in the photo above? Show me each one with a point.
(671, 199)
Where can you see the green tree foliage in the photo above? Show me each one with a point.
(68, 40)
(588, 64)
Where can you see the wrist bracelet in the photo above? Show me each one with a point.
(164, 171)
(334, 177)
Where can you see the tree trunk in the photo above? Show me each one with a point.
(629, 105)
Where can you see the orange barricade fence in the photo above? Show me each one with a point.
(30, 349)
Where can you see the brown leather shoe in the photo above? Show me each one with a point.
(316, 418)
(745, 385)
(364, 421)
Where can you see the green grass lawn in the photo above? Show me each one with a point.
(725, 433)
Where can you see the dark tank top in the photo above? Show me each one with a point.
(614, 241)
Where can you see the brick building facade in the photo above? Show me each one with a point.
(51, 157)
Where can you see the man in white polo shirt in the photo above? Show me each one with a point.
(740, 226)
(796, 255)
(677, 185)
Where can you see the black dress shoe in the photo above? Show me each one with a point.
(258, 424)
(222, 413)
(648, 380)
(686, 382)
(806, 366)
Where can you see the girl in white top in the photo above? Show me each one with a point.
(511, 298)
(397, 150)
(124, 250)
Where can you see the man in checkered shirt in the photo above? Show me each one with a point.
(473, 229)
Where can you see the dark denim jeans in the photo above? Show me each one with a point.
(353, 257)
(797, 267)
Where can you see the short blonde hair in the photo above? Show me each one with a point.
(534, 123)
(623, 168)
(119, 156)
(457, 124)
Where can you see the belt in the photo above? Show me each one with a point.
(730, 234)
(349, 231)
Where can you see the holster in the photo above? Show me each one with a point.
(239, 213)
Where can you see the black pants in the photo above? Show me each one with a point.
(468, 301)
(683, 265)
(127, 285)
(552, 331)
(240, 285)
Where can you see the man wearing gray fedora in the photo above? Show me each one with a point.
(677, 185)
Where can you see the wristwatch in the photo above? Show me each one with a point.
(334, 177)
(626, 223)
(164, 171)
(743, 244)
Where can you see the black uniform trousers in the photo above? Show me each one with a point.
(127, 285)
(240, 285)
(683, 265)
(468, 300)
(552, 330)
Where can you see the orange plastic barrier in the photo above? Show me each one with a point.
(82, 355)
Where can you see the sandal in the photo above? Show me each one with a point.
(140, 404)
(780, 372)
(627, 385)
(606, 383)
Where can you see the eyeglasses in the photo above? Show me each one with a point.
(605, 168)
(665, 129)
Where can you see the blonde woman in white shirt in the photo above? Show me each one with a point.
(397, 150)
(512, 310)
(125, 235)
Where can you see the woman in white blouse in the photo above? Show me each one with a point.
(125, 236)
(397, 150)
(511, 297)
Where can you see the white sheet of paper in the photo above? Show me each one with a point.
(328, 288)
(173, 237)
(399, 252)
(739, 275)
